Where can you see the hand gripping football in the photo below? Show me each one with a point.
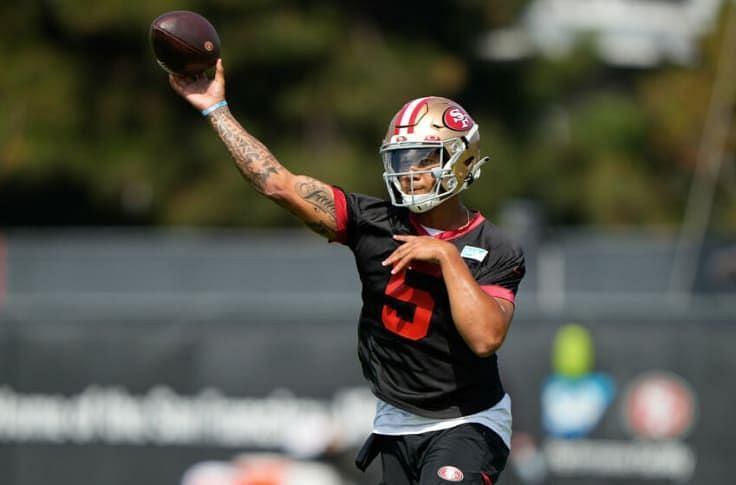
(184, 42)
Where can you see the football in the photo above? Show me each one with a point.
(184, 42)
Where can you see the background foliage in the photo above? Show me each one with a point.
(91, 133)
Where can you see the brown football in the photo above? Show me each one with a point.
(184, 42)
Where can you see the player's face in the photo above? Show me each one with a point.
(417, 165)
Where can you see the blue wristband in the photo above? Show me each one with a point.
(212, 108)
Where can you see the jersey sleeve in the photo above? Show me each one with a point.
(503, 272)
(356, 211)
(341, 215)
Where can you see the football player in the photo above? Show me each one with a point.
(439, 283)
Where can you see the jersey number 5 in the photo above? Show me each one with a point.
(418, 327)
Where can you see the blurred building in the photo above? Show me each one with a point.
(630, 33)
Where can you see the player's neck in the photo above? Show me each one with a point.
(448, 216)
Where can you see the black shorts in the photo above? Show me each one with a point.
(469, 453)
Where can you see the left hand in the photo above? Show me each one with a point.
(199, 90)
(417, 248)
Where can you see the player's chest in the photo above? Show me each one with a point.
(375, 248)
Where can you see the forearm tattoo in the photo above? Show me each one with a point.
(254, 160)
(318, 195)
(257, 165)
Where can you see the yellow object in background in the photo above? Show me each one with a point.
(573, 353)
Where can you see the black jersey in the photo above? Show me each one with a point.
(409, 348)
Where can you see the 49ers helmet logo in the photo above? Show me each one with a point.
(450, 473)
(455, 118)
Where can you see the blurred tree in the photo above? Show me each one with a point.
(91, 133)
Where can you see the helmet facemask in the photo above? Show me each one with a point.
(451, 167)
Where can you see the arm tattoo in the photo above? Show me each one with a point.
(257, 164)
(317, 194)
(254, 160)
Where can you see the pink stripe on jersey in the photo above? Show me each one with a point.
(341, 215)
(475, 221)
(497, 291)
